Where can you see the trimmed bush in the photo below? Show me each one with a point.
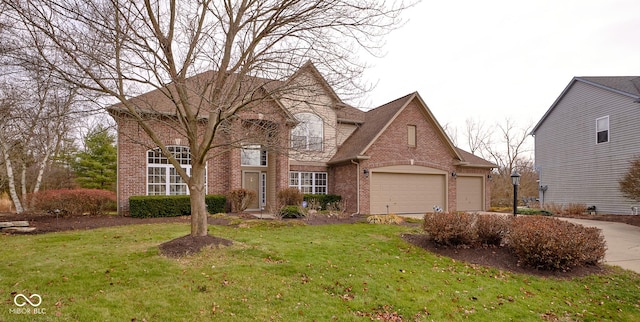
(552, 244)
(171, 206)
(451, 229)
(74, 201)
(324, 201)
(240, 199)
(492, 229)
(291, 211)
(215, 203)
(290, 197)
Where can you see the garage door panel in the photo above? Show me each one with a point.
(406, 192)
(470, 196)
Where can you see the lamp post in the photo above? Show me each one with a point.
(515, 180)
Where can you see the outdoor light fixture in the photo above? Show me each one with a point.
(515, 180)
(366, 172)
(489, 176)
(453, 174)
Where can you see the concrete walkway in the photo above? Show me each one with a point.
(623, 242)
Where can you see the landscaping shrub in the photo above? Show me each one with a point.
(215, 203)
(240, 199)
(171, 206)
(552, 244)
(576, 208)
(391, 219)
(451, 229)
(291, 211)
(290, 197)
(492, 229)
(533, 211)
(323, 201)
(74, 201)
(568, 209)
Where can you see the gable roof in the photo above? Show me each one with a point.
(378, 119)
(623, 85)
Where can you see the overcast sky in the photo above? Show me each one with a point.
(492, 59)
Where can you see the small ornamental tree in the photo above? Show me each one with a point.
(630, 183)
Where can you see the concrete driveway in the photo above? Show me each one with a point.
(623, 242)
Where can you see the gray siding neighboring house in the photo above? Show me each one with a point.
(585, 141)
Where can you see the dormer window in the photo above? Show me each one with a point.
(307, 135)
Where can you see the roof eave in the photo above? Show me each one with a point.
(356, 158)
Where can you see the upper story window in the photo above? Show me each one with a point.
(307, 135)
(253, 155)
(162, 177)
(602, 129)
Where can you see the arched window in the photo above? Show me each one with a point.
(162, 177)
(307, 135)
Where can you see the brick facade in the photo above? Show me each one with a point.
(382, 142)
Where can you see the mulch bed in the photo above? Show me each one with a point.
(497, 257)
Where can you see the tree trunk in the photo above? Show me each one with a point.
(12, 186)
(41, 167)
(199, 213)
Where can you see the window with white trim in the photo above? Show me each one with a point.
(602, 130)
(162, 177)
(309, 182)
(307, 135)
(253, 155)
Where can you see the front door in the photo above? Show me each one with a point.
(251, 182)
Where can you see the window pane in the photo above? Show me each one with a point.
(293, 179)
(602, 129)
(308, 134)
(253, 155)
(603, 136)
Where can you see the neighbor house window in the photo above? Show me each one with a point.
(411, 135)
(253, 155)
(307, 135)
(162, 177)
(309, 182)
(602, 129)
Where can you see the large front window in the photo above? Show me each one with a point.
(162, 177)
(307, 135)
(309, 182)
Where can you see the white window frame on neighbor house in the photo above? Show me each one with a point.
(602, 125)
(308, 135)
(162, 177)
(253, 155)
(309, 182)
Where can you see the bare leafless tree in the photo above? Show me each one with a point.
(36, 115)
(478, 135)
(122, 49)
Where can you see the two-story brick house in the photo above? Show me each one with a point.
(392, 159)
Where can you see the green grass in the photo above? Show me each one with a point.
(287, 273)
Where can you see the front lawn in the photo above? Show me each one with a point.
(291, 273)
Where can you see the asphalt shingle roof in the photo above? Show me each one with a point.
(626, 84)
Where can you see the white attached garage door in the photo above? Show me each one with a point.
(406, 192)
(470, 194)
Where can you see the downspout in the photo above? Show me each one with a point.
(357, 188)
